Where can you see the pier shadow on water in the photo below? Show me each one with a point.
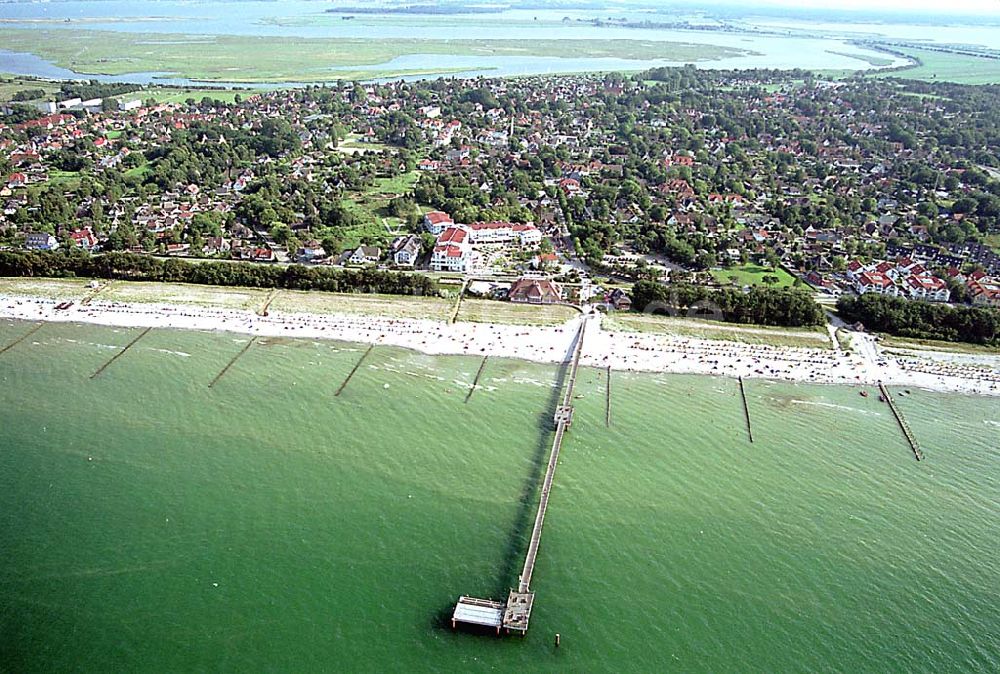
(524, 519)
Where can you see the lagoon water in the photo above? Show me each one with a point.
(814, 45)
(152, 523)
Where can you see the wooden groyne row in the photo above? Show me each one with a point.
(475, 382)
(120, 353)
(20, 339)
(901, 420)
(746, 408)
(350, 375)
(246, 347)
(607, 400)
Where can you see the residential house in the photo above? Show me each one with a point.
(535, 291)
(41, 241)
(927, 287)
(84, 238)
(875, 282)
(436, 222)
(365, 255)
(619, 300)
(406, 250)
(311, 251)
(985, 291)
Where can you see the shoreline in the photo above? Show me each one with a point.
(623, 351)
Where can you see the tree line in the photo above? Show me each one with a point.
(922, 320)
(787, 307)
(135, 267)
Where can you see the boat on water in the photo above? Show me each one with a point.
(863, 394)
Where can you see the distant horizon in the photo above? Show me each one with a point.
(916, 9)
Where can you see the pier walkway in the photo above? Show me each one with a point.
(517, 612)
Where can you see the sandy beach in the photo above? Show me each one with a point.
(865, 364)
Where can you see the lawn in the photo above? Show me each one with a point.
(816, 338)
(140, 171)
(896, 344)
(492, 311)
(752, 274)
(11, 84)
(67, 180)
(246, 58)
(183, 293)
(938, 66)
(993, 241)
(369, 206)
(51, 288)
(395, 186)
(390, 306)
(354, 143)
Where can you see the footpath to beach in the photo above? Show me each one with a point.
(866, 364)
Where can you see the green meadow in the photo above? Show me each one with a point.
(936, 66)
(243, 58)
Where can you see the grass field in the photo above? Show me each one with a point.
(183, 293)
(752, 274)
(816, 338)
(391, 306)
(242, 58)
(70, 180)
(870, 59)
(369, 207)
(947, 67)
(895, 344)
(51, 288)
(492, 311)
(993, 241)
(11, 84)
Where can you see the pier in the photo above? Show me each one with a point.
(516, 613)
(901, 420)
(20, 339)
(746, 408)
(350, 375)
(120, 353)
(246, 347)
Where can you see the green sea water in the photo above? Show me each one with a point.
(151, 523)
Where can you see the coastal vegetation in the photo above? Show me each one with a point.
(490, 311)
(815, 338)
(791, 307)
(245, 58)
(922, 320)
(426, 307)
(134, 267)
(944, 65)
